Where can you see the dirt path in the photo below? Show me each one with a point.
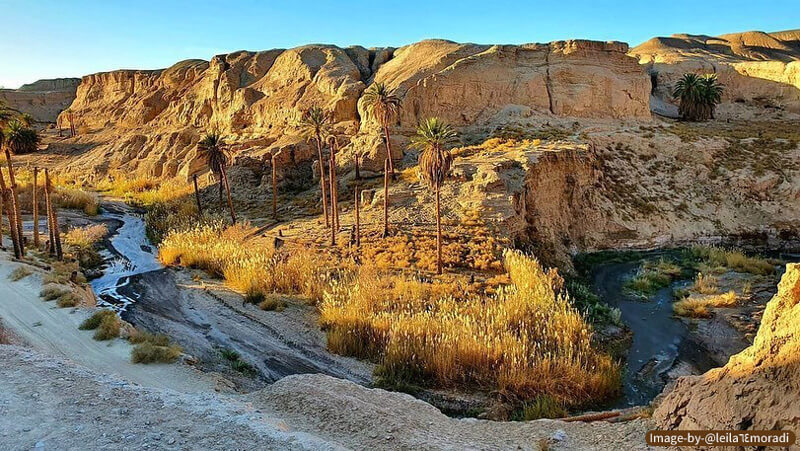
(50, 403)
(55, 331)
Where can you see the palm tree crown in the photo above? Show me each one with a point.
(214, 150)
(315, 124)
(433, 135)
(21, 139)
(698, 95)
(381, 104)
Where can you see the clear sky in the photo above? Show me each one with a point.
(71, 38)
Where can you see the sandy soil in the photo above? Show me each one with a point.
(54, 331)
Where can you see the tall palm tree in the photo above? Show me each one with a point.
(14, 195)
(5, 197)
(432, 138)
(315, 125)
(214, 150)
(384, 106)
(21, 139)
(698, 96)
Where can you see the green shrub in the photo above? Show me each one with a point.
(542, 407)
(147, 337)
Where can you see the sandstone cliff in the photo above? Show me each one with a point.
(759, 388)
(758, 69)
(44, 99)
(149, 121)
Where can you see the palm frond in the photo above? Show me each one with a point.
(21, 139)
(214, 150)
(433, 136)
(381, 104)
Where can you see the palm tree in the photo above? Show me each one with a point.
(698, 95)
(214, 150)
(384, 106)
(6, 114)
(21, 139)
(315, 126)
(15, 207)
(5, 197)
(26, 119)
(433, 137)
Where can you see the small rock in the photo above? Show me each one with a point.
(559, 436)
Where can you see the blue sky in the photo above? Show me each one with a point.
(47, 39)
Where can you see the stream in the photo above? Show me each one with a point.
(129, 253)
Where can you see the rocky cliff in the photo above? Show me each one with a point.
(44, 99)
(759, 70)
(149, 121)
(759, 388)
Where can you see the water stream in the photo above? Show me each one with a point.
(131, 253)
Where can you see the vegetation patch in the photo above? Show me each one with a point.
(69, 299)
(105, 323)
(237, 363)
(541, 407)
(653, 276)
(698, 307)
(19, 273)
(527, 339)
(53, 291)
(733, 260)
(81, 243)
(153, 348)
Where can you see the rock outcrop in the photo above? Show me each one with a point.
(759, 388)
(149, 121)
(758, 69)
(43, 99)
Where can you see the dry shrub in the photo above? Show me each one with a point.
(108, 329)
(85, 237)
(77, 199)
(526, 340)
(735, 260)
(698, 307)
(705, 284)
(53, 291)
(151, 348)
(69, 299)
(5, 335)
(93, 322)
(62, 273)
(19, 273)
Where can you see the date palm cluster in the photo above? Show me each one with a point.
(698, 95)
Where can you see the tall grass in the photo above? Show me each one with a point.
(735, 260)
(248, 265)
(526, 340)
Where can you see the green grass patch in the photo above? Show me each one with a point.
(541, 407)
(153, 348)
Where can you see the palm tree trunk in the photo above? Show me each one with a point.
(15, 201)
(386, 197)
(51, 243)
(333, 197)
(388, 149)
(53, 220)
(228, 190)
(35, 208)
(322, 180)
(6, 198)
(221, 185)
(357, 220)
(197, 195)
(274, 188)
(2, 208)
(438, 234)
(358, 170)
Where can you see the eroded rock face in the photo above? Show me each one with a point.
(758, 69)
(759, 388)
(43, 99)
(149, 121)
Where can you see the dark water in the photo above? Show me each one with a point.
(657, 335)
